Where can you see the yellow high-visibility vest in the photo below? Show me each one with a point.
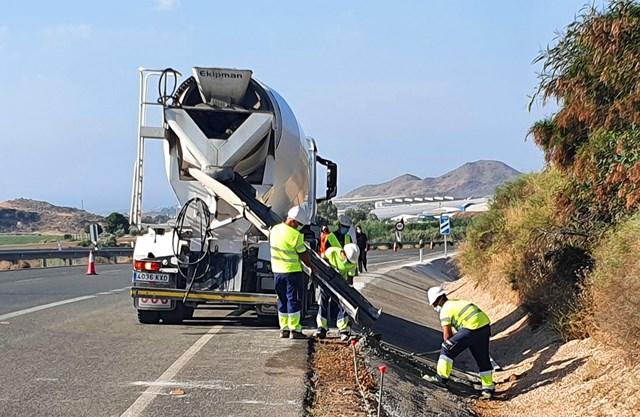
(463, 314)
(335, 243)
(286, 243)
(346, 268)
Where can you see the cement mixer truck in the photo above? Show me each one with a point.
(237, 160)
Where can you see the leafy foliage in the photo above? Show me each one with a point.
(593, 72)
(543, 231)
(116, 221)
(327, 213)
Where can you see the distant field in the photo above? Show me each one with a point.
(27, 239)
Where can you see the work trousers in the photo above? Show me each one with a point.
(289, 289)
(325, 305)
(477, 341)
(362, 261)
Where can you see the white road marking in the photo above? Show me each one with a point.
(57, 303)
(212, 385)
(44, 307)
(260, 402)
(30, 279)
(154, 390)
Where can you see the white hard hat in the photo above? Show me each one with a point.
(345, 220)
(352, 251)
(434, 293)
(298, 214)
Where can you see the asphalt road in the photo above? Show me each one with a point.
(71, 346)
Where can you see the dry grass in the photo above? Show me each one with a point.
(615, 289)
(334, 383)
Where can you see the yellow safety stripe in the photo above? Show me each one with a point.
(286, 252)
(457, 321)
(486, 379)
(444, 366)
(294, 321)
(343, 324)
(198, 296)
(291, 261)
(283, 319)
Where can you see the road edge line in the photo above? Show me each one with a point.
(143, 401)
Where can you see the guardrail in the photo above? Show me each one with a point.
(424, 244)
(67, 256)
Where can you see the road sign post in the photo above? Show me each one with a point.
(94, 233)
(445, 230)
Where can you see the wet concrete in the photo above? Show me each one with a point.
(411, 336)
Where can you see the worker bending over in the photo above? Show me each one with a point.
(288, 251)
(345, 262)
(473, 329)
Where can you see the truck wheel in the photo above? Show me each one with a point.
(178, 315)
(148, 316)
(172, 317)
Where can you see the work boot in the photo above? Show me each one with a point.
(296, 335)
(320, 333)
(436, 380)
(344, 336)
(284, 334)
(487, 394)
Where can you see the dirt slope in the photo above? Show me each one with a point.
(544, 377)
(27, 216)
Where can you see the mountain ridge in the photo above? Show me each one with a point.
(472, 179)
(26, 215)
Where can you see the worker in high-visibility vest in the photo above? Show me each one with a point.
(473, 330)
(324, 234)
(340, 237)
(288, 252)
(345, 261)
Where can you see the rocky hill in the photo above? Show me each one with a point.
(24, 215)
(473, 179)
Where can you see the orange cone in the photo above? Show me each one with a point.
(91, 266)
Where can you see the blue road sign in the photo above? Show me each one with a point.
(445, 228)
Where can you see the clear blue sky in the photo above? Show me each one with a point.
(385, 88)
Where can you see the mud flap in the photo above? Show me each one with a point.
(241, 195)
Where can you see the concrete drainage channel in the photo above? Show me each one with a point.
(352, 373)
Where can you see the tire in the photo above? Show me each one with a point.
(178, 315)
(148, 316)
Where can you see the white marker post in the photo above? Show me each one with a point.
(445, 230)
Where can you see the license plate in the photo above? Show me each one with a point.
(150, 277)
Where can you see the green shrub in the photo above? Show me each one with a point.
(520, 242)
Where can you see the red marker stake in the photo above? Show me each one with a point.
(383, 370)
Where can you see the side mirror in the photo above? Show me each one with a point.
(332, 178)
